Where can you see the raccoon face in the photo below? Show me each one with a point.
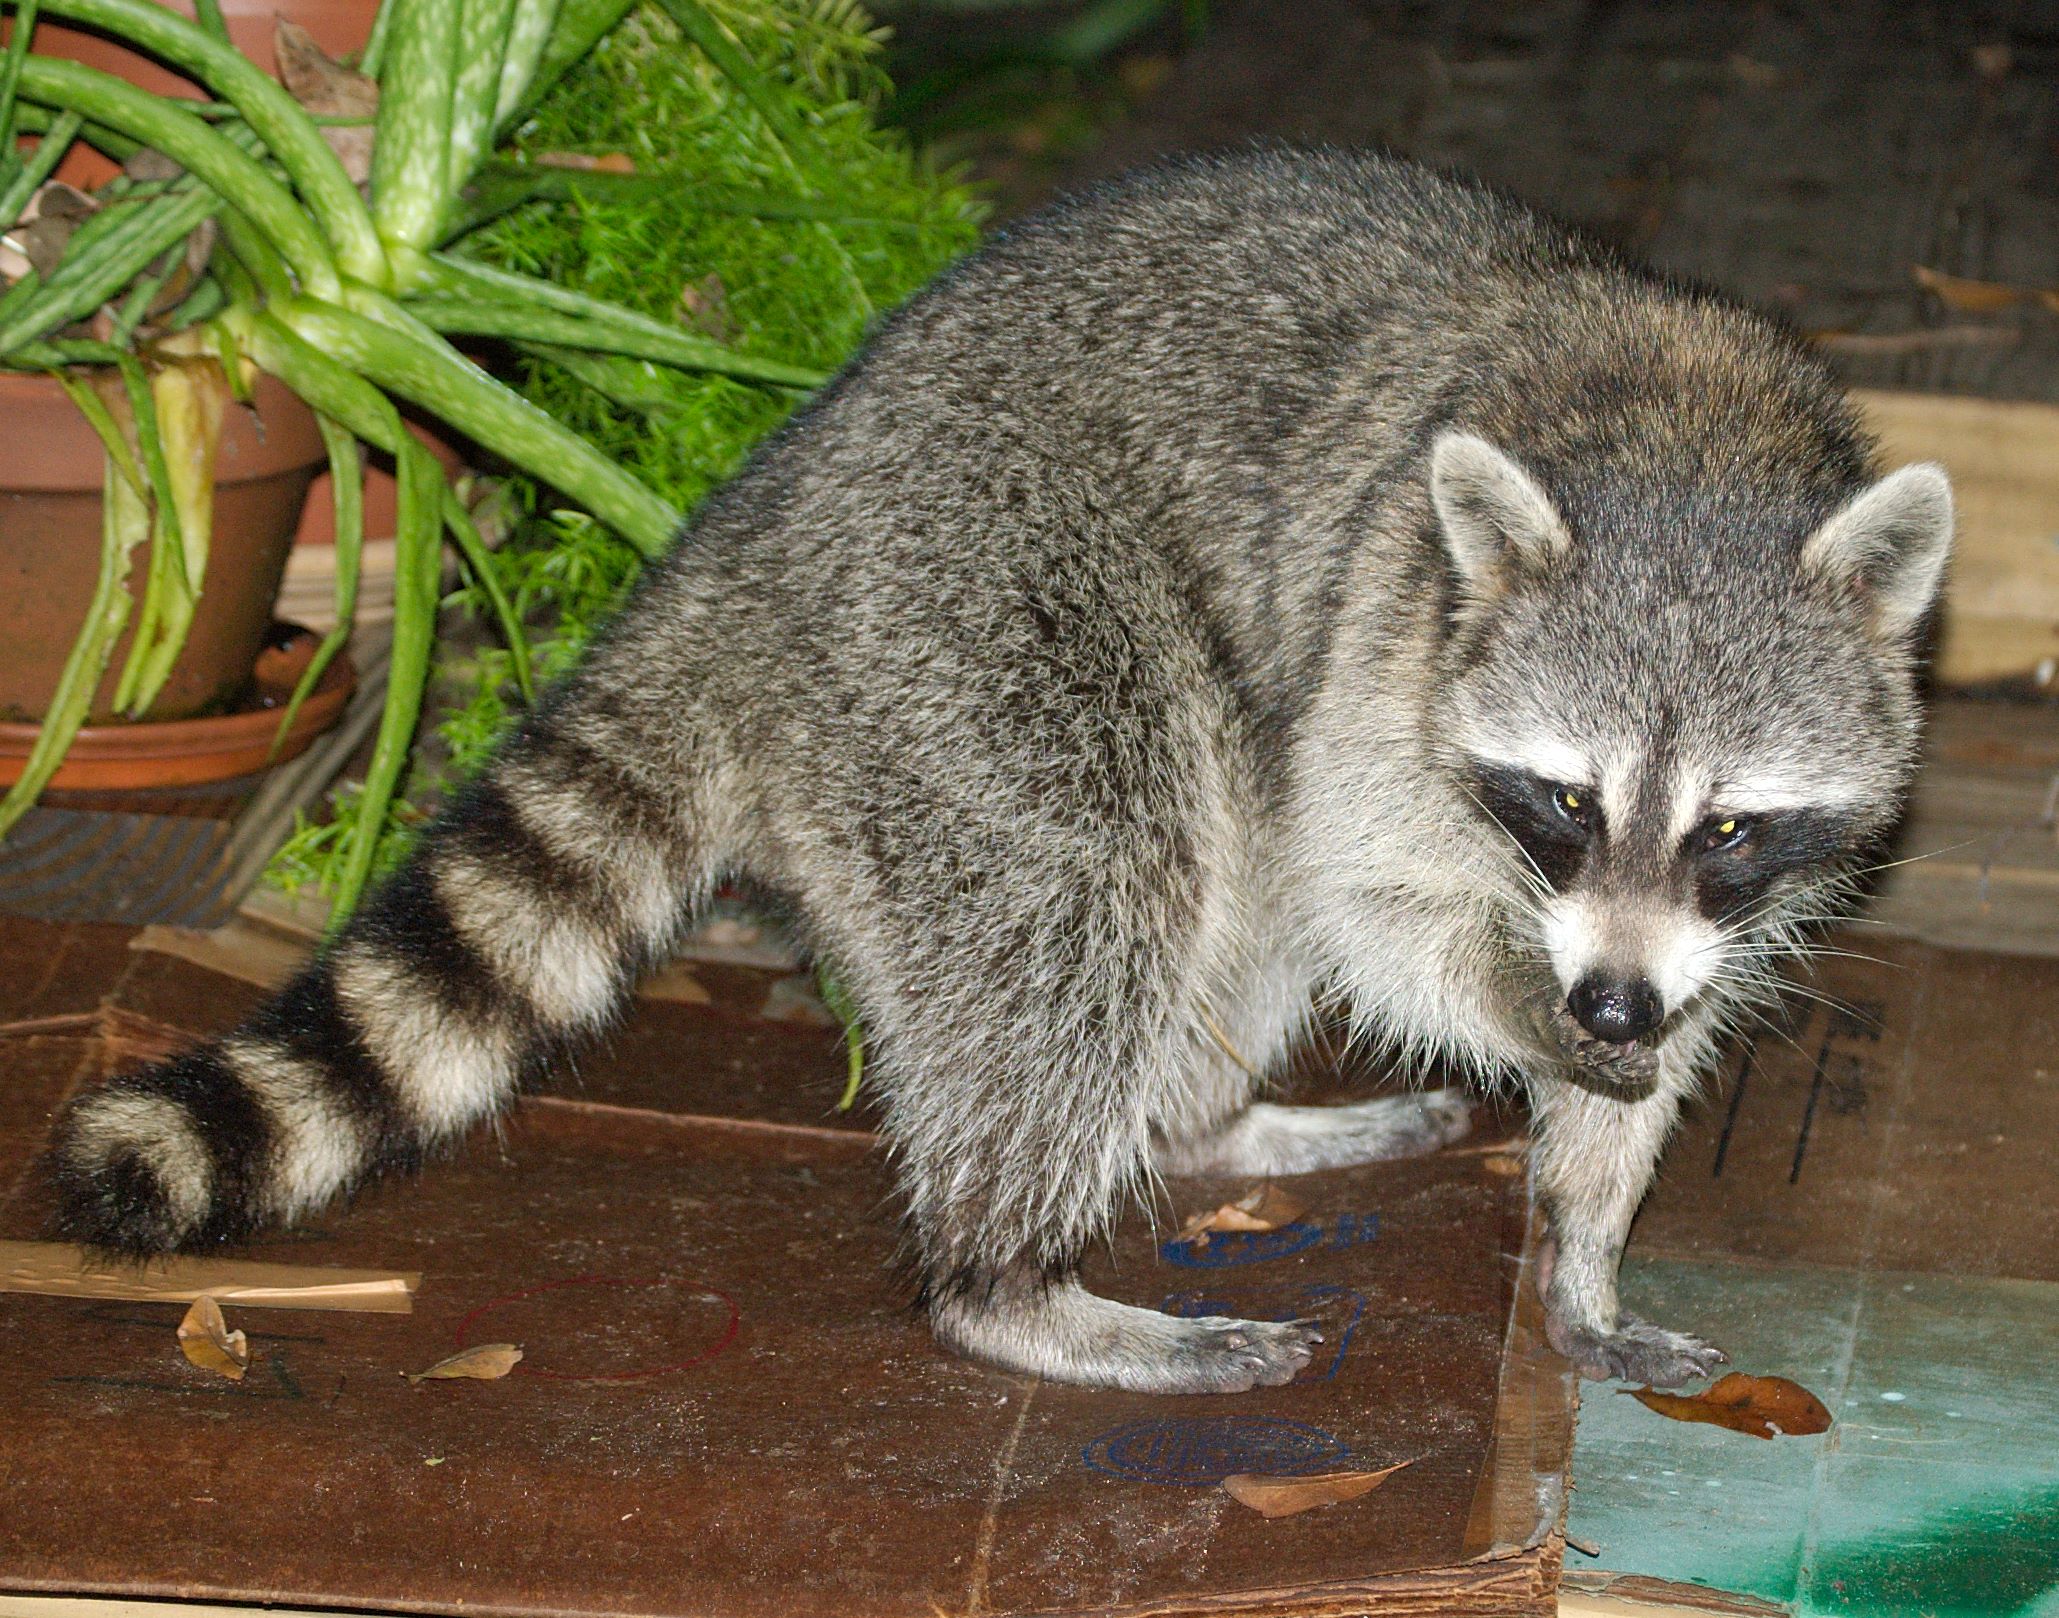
(1683, 715)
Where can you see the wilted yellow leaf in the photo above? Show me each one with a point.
(205, 1339)
(1263, 1207)
(1283, 1497)
(328, 89)
(1759, 1405)
(1972, 297)
(487, 1363)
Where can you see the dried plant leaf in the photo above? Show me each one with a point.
(1992, 62)
(1759, 1405)
(704, 308)
(1283, 1497)
(191, 397)
(796, 1000)
(489, 1362)
(205, 1339)
(43, 243)
(328, 89)
(151, 164)
(1263, 1207)
(1973, 297)
(585, 163)
(56, 200)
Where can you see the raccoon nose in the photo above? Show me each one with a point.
(1615, 1009)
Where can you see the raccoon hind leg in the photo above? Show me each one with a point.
(1009, 1185)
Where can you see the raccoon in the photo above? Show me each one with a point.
(1273, 576)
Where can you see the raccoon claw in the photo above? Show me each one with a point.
(1637, 1351)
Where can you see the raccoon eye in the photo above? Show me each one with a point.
(1726, 833)
(1574, 805)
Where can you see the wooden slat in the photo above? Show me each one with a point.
(2002, 605)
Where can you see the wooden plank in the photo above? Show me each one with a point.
(2002, 603)
(1978, 860)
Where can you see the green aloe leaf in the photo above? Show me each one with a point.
(168, 593)
(416, 586)
(347, 494)
(406, 358)
(336, 391)
(216, 161)
(411, 187)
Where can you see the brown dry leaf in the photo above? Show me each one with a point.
(1263, 1207)
(704, 308)
(1759, 1405)
(43, 243)
(1502, 1164)
(205, 1339)
(150, 164)
(1993, 62)
(1973, 297)
(1283, 1497)
(608, 163)
(326, 88)
(795, 1000)
(1752, 73)
(489, 1362)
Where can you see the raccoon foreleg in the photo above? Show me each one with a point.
(1594, 1160)
(1266, 1138)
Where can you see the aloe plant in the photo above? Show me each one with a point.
(349, 300)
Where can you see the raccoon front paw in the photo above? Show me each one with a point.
(1636, 1351)
(1632, 1066)
(1220, 1355)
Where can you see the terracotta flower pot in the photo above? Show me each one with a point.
(339, 27)
(50, 471)
(187, 752)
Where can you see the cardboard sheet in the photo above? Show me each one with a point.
(727, 1404)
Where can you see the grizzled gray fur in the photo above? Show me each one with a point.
(1267, 576)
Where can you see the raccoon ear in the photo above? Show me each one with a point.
(1889, 547)
(1497, 520)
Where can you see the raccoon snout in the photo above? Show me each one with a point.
(1615, 1009)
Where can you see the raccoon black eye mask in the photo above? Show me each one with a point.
(1102, 668)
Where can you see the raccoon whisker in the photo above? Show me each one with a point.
(1742, 1012)
(1532, 873)
(1815, 952)
(1787, 986)
(1775, 918)
(1749, 1002)
(1916, 859)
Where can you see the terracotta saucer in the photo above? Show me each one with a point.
(187, 752)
